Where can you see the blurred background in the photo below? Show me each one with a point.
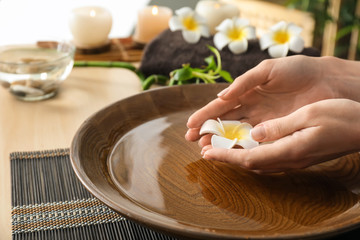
(335, 28)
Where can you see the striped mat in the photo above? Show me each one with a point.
(49, 202)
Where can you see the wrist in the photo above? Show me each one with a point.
(343, 76)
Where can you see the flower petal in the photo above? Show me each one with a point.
(204, 31)
(296, 44)
(279, 26)
(279, 50)
(238, 47)
(250, 32)
(191, 36)
(240, 22)
(221, 125)
(184, 12)
(266, 41)
(211, 126)
(175, 24)
(221, 142)
(230, 122)
(294, 29)
(221, 40)
(225, 25)
(247, 143)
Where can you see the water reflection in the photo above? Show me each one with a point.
(303, 197)
(133, 159)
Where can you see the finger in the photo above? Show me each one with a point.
(277, 128)
(192, 134)
(205, 140)
(252, 78)
(205, 148)
(212, 110)
(278, 155)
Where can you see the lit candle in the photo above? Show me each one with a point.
(215, 12)
(152, 20)
(90, 26)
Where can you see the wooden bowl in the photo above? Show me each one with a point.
(132, 155)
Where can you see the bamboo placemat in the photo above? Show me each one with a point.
(49, 202)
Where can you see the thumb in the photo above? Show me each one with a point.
(249, 80)
(275, 129)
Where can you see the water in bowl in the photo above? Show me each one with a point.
(33, 73)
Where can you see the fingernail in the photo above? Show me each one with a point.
(187, 132)
(206, 156)
(258, 133)
(203, 153)
(223, 92)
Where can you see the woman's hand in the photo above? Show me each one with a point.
(314, 133)
(278, 87)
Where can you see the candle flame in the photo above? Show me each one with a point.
(92, 13)
(155, 10)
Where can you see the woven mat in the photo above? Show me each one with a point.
(49, 202)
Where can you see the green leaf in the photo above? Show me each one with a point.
(226, 76)
(200, 70)
(183, 74)
(210, 60)
(218, 58)
(344, 31)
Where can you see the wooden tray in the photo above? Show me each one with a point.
(133, 156)
(120, 49)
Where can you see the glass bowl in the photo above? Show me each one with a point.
(34, 72)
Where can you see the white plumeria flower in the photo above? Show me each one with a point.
(227, 134)
(234, 32)
(282, 38)
(193, 26)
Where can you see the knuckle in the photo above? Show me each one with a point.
(310, 112)
(266, 64)
(248, 163)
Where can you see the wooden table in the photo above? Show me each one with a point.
(51, 124)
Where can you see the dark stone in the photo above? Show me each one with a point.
(169, 51)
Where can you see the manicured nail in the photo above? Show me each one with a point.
(258, 133)
(206, 156)
(202, 152)
(223, 92)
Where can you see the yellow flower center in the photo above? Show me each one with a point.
(236, 34)
(190, 23)
(235, 131)
(281, 37)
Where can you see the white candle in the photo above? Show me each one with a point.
(90, 26)
(152, 20)
(215, 12)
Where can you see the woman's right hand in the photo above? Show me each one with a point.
(278, 87)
